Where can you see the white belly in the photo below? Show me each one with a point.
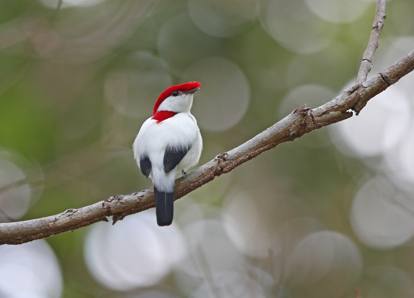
(153, 139)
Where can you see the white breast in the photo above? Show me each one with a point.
(178, 131)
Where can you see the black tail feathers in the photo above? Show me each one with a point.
(164, 206)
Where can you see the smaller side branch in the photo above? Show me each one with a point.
(367, 57)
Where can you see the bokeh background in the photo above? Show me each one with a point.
(329, 215)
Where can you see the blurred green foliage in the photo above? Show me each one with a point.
(57, 68)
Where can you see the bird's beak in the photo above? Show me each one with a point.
(192, 91)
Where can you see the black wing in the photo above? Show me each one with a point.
(173, 156)
(145, 165)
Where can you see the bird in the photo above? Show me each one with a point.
(168, 144)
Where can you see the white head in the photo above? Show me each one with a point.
(177, 98)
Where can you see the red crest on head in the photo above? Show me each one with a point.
(167, 92)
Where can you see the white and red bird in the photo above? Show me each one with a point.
(168, 144)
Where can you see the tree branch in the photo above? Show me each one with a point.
(367, 57)
(294, 125)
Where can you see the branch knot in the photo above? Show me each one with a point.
(385, 78)
(220, 163)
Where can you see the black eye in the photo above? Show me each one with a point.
(175, 93)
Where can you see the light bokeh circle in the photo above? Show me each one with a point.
(245, 227)
(381, 215)
(133, 89)
(231, 284)
(208, 242)
(53, 4)
(124, 257)
(222, 18)
(294, 26)
(387, 281)
(309, 95)
(338, 11)
(377, 129)
(17, 193)
(399, 162)
(29, 270)
(225, 93)
(321, 254)
(174, 46)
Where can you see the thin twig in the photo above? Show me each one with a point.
(294, 125)
(367, 57)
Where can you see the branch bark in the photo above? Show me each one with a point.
(373, 42)
(294, 125)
